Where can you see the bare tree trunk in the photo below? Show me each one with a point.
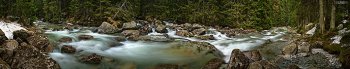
(321, 19)
(332, 25)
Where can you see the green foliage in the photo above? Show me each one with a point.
(259, 14)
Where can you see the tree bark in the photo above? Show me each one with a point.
(321, 19)
(332, 25)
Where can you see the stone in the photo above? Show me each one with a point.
(214, 64)
(130, 32)
(197, 26)
(167, 66)
(107, 28)
(291, 49)
(238, 60)
(9, 46)
(160, 28)
(21, 34)
(29, 57)
(4, 65)
(206, 37)
(183, 33)
(293, 66)
(304, 47)
(65, 39)
(263, 64)
(130, 26)
(255, 55)
(41, 42)
(91, 59)
(156, 38)
(255, 65)
(200, 31)
(68, 49)
(120, 39)
(85, 37)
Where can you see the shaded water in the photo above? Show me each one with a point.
(145, 54)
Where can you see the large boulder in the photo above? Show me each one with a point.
(254, 55)
(263, 64)
(41, 42)
(161, 28)
(91, 59)
(238, 60)
(29, 57)
(214, 64)
(21, 34)
(130, 26)
(4, 65)
(85, 37)
(68, 49)
(200, 31)
(166, 66)
(8, 47)
(160, 38)
(202, 48)
(291, 49)
(183, 33)
(107, 28)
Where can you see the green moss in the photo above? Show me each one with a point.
(344, 58)
(333, 48)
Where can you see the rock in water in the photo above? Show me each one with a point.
(161, 28)
(206, 37)
(91, 59)
(214, 64)
(107, 28)
(183, 33)
(238, 60)
(130, 26)
(66, 40)
(85, 37)
(68, 49)
(200, 31)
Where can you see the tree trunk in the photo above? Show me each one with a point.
(321, 19)
(332, 25)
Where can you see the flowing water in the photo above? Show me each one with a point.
(145, 54)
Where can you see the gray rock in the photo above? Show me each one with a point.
(200, 31)
(183, 33)
(206, 37)
(291, 49)
(85, 37)
(107, 28)
(238, 60)
(68, 49)
(161, 28)
(130, 26)
(130, 32)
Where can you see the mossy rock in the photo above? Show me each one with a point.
(344, 58)
(333, 48)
